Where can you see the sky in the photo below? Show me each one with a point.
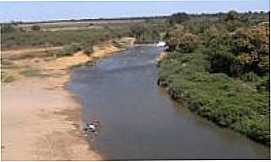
(42, 10)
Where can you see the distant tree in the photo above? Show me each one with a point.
(179, 18)
(35, 27)
(251, 45)
(145, 33)
(231, 15)
(182, 41)
(243, 51)
(6, 28)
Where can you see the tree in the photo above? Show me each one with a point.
(145, 33)
(251, 45)
(179, 18)
(6, 28)
(231, 16)
(182, 41)
(35, 27)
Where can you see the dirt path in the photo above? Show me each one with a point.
(40, 119)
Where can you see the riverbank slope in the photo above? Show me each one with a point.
(228, 102)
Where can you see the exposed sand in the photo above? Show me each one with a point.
(162, 56)
(40, 119)
(40, 122)
(16, 52)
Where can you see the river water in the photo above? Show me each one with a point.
(140, 121)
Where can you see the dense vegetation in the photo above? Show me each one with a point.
(14, 36)
(219, 65)
(38, 38)
(149, 32)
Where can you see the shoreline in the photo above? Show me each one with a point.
(46, 114)
(179, 96)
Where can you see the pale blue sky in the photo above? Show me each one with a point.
(39, 11)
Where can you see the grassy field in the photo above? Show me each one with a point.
(84, 33)
(32, 39)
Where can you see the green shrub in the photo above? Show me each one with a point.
(54, 38)
(182, 41)
(145, 33)
(218, 97)
(31, 72)
(263, 84)
(35, 28)
(250, 77)
(178, 18)
(255, 127)
(88, 50)
(69, 49)
(6, 28)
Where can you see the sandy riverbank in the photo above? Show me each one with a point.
(40, 119)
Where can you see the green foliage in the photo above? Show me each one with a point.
(88, 50)
(246, 50)
(250, 77)
(256, 127)
(7, 28)
(263, 84)
(226, 101)
(54, 38)
(231, 16)
(225, 80)
(182, 41)
(146, 33)
(222, 61)
(31, 72)
(35, 27)
(251, 45)
(69, 49)
(178, 18)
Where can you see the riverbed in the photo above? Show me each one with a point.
(140, 121)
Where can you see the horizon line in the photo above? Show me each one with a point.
(123, 17)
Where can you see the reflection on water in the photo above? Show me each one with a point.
(140, 121)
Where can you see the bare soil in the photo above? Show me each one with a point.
(40, 119)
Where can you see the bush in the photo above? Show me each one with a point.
(6, 28)
(251, 45)
(182, 41)
(255, 127)
(250, 77)
(231, 16)
(35, 28)
(31, 72)
(178, 18)
(188, 42)
(222, 61)
(144, 33)
(69, 49)
(19, 39)
(88, 50)
(226, 101)
(244, 51)
(263, 84)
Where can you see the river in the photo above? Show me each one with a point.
(140, 121)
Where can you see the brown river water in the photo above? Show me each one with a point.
(140, 121)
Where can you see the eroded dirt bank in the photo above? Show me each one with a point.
(40, 119)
